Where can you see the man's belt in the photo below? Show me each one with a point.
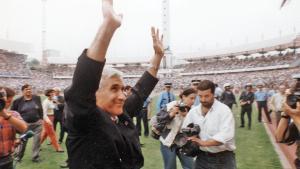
(214, 154)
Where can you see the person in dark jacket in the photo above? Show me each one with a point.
(227, 96)
(246, 100)
(101, 135)
(30, 108)
(58, 113)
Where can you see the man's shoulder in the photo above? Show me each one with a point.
(221, 107)
(18, 99)
(194, 109)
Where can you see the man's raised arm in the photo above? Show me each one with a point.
(111, 22)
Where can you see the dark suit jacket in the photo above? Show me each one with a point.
(247, 96)
(19, 103)
(94, 140)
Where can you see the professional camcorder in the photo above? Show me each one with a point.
(158, 128)
(183, 145)
(183, 107)
(2, 101)
(293, 98)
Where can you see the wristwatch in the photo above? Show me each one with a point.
(284, 115)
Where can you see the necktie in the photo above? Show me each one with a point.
(169, 97)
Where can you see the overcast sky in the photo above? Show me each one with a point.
(196, 25)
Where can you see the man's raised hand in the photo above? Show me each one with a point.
(157, 42)
(110, 15)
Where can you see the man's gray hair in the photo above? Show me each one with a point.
(109, 72)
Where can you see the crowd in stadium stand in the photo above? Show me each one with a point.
(132, 70)
(235, 63)
(13, 65)
(14, 72)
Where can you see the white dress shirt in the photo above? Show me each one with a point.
(276, 101)
(48, 108)
(218, 124)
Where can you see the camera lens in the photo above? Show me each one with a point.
(2, 104)
(291, 100)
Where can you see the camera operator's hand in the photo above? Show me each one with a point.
(196, 140)
(173, 111)
(183, 113)
(290, 111)
(4, 114)
(203, 143)
(293, 113)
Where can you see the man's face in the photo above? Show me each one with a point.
(206, 98)
(260, 87)
(27, 92)
(228, 88)
(168, 88)
(195, 86)
(56, 92)
(110, 97)
(128, 92)
(282, 89)
(249, 89)
(51, 95)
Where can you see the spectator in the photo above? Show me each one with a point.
(30, 108)
(10, 123)
(246, 100)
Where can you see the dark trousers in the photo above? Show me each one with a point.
(229, 105)
(143, 115)
(263, 105)
(222, 160)
(249, 114)
(6, 162)
(62, 128)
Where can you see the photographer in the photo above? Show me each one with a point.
(10, 123)
(216, 139)
(169, 122)
(287, 131)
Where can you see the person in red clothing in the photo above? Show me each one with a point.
(48, 130)
(10, 123)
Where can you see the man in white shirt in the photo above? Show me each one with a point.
(216, 138)
(276, 103)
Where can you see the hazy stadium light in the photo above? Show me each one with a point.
(167, 60)
(283, 3)
(44, 32)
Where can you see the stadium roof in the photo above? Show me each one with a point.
(15, 46)
(251, 48)
(109, 60)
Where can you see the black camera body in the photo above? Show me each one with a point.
(2, 101)
(293, 98)
(183, 107)
(183, 145)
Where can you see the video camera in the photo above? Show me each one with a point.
(293, 98)
(2, 101)
(183, 107)
(183, 145)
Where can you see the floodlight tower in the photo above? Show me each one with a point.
(167, 60)
(44, 32)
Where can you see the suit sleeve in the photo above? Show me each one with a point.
(80, 96)
(140, 92)
(15, 105)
